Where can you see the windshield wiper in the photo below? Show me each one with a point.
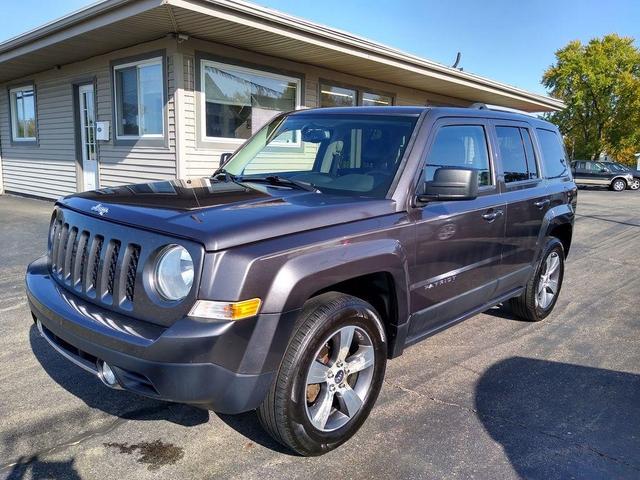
(284, 181)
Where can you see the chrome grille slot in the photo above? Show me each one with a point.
(69, 253)
(79, 260)
(111, 262)
(93, 271)
(133, 255)
(62, 248)
(55, 243)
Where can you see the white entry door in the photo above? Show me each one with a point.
(88, 137)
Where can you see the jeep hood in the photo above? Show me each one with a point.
(221, 215)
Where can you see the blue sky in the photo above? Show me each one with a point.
(512, 41)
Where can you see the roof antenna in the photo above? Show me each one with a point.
(458, 58)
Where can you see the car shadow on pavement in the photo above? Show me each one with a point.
(503, 311)
(119, 403)
(557, 420)
(248, 425)
(34, 467)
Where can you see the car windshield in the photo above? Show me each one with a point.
(341, 154)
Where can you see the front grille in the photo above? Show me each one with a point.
(102, 269)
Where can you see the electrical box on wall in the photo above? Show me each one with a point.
(102, 131)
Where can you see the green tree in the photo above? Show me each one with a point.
(600, 85)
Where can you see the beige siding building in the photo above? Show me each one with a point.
(130, 91)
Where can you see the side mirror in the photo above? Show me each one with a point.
(224, 158)
(450, 183)
(604, 170)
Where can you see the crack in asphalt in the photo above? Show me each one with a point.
(555, 436)
(76, 440)
(13, 307)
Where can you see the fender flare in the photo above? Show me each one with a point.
(302, 276)
(556, 216)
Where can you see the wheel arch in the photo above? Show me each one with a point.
(375, 271)
(558, 222)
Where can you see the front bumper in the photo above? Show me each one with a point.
(227, 367)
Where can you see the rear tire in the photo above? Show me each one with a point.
(339, 346)
(635, 185)
(543, 288)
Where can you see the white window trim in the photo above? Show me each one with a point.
(149, 61)
(203, 99)
(14, 113)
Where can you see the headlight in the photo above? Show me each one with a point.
(174, 273)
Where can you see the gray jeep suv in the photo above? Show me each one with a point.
(327, 244)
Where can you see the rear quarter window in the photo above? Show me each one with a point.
(554, 158)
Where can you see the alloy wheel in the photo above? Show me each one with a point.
(635, 185)
(548, 282)
(619, 185)
(339, 378)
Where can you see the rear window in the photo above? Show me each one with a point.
(554, 158)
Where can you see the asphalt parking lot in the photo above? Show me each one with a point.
(491, 398)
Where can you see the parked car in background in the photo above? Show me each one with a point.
(328, 243)
(619, 167)
(590, 173)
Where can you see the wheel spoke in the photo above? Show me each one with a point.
(552, 285)
(552, 264)
(349, 401)
(548, 297)
(345, 338)
(317, 373)
(360, 360)
(322, 408)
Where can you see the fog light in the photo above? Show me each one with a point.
(107, 374)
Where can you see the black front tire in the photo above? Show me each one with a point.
(284, 412)
(619, 185)
(525, 305)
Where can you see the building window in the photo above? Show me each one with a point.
(237, 101)
(370, 99)
(139, 99)
(332, 96)
(336, 96)
(23, 114)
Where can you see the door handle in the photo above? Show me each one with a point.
(541, 203)
(492, 215)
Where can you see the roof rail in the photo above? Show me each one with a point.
(498, 108)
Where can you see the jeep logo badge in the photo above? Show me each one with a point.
(100, 209)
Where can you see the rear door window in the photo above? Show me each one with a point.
(516, 152)
(554, 158)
